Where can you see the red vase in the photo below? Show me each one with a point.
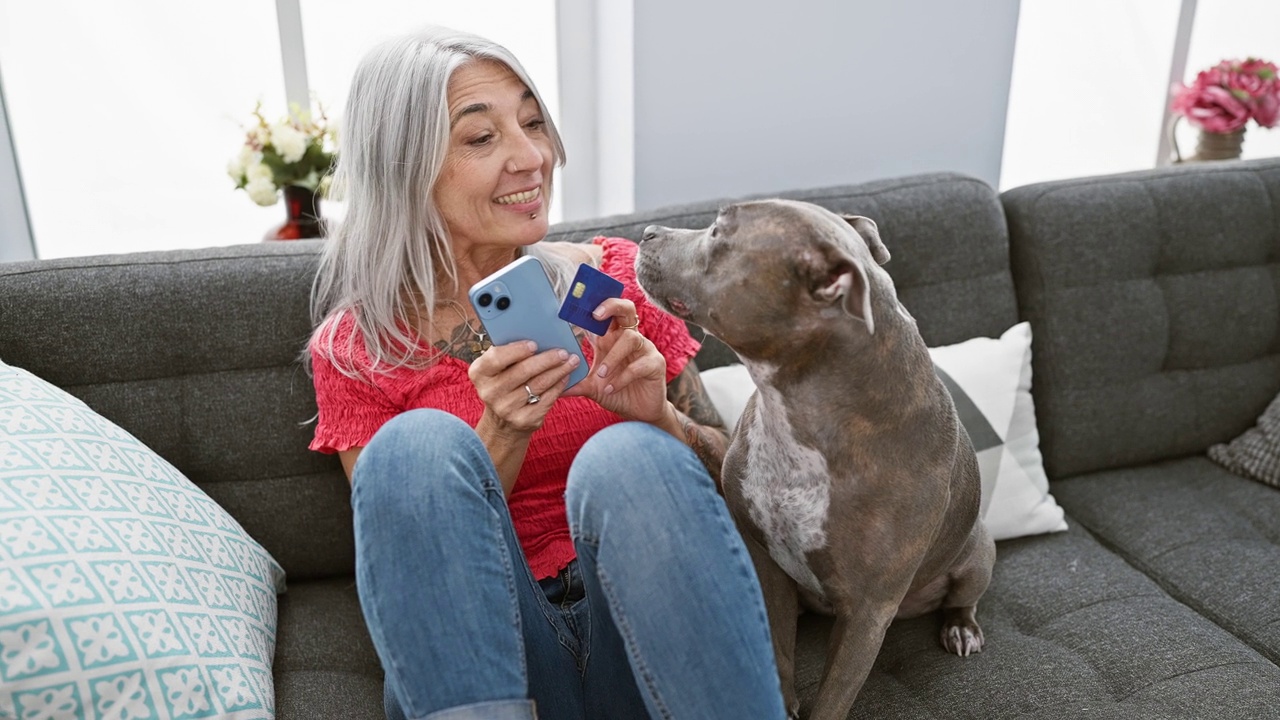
(303, 216)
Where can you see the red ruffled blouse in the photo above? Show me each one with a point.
(352, 410)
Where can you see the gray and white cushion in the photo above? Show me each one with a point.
(1256, 452)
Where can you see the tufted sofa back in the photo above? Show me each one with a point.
(946, 234)
(195, 352)
(1154, 299)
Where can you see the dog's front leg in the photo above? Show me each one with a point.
(851, 651)
(781, 602)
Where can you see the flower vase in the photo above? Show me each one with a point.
(303, 216)
(1219, 146)
(1209, 145)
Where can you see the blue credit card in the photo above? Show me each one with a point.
(589, 288)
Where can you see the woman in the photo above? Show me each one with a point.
(521, 550)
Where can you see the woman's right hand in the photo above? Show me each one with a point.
(503, 372)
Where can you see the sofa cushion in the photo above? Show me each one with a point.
(123, 588)
(1072, 631)
(325, 663)
(196, 353)
(1256, 453)
(1210, 537)
(1155, 301)
(990, 381)
(946, 233)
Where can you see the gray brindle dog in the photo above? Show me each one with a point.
(849, 474)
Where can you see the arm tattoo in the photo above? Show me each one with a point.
(704, 431)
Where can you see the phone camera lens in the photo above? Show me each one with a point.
(485, 299)
(504, 303)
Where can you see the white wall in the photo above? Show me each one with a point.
(760, 95)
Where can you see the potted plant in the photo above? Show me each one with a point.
(292, 157)
(1222, 100)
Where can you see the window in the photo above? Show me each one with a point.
(124, 120)
(1091, 77)
(1088, 88)
(338, 32)
(1235, 29)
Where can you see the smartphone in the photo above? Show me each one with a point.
(518, 303)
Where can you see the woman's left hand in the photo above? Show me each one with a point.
(629, 376)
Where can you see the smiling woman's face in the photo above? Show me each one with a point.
(494, 189)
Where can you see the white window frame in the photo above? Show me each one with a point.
(16, 240)
(1177, 71)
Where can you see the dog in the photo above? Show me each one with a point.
(851, 479)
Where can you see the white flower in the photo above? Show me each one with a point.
(258, 135)
(247, 158)
(289, 142)
(258, 171)
(262, 191)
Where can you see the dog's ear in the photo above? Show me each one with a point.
(866, 227)
(843, 278)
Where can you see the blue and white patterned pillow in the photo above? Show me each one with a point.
(125, 591)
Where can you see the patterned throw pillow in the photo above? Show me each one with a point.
(990, 382)
(125, 591)
(1256, 453)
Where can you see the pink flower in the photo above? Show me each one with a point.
(1212, 108)
(1266, 110)
(1254, 79)
(1223, 98)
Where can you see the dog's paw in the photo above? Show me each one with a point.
(961, 634)
(962, 641)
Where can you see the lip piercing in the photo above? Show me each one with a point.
(533, 216)
(533, 399)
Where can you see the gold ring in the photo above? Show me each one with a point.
(630, 327)
(533, 399)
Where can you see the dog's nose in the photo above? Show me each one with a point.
(650, 233)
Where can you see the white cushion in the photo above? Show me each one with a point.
(990, 382)
(125, 591)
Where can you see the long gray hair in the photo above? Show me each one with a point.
(382, 263)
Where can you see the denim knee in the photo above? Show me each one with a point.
(416, 444)
(631, 466)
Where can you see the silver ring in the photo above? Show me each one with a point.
(533, 399)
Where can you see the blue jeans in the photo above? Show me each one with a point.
(660, 616)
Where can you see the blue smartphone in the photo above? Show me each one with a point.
(518, 303)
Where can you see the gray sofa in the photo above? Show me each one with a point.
(1153, 299)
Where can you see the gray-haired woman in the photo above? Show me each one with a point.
(521, 550)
